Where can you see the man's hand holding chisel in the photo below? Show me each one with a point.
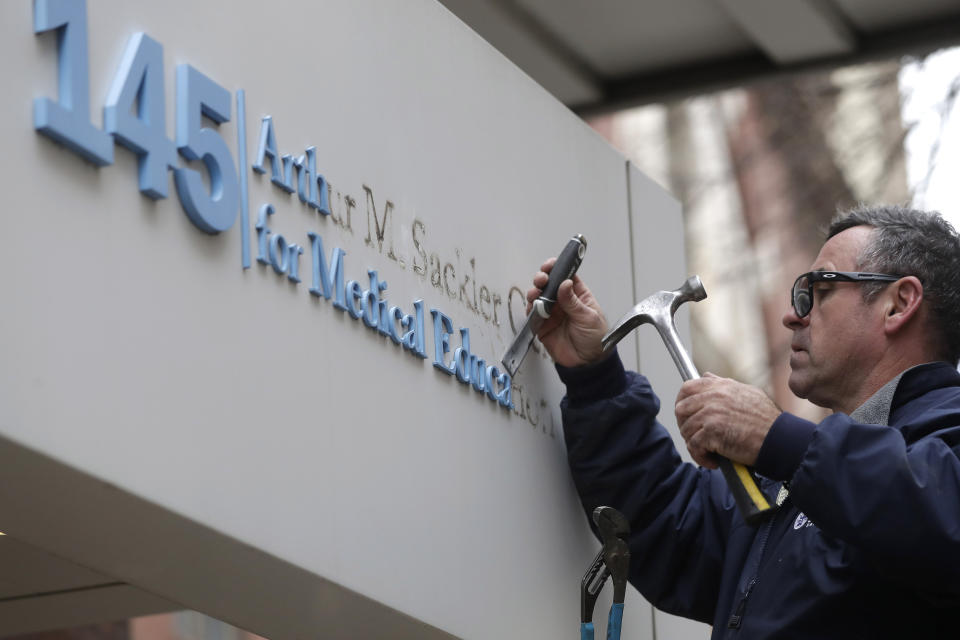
(540, 308)
(574, 330)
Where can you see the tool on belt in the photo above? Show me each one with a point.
(612, 560)
(658, 310)
(566, 265)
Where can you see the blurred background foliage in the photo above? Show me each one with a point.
(760, 170)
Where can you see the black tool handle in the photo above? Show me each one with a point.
(566, 265)
(593, 581)
(745, 487)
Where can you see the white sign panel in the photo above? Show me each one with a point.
(261, 264)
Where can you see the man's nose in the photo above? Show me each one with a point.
(791, 321)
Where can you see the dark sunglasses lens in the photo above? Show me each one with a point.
(801, 297)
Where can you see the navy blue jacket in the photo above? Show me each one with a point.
(866, 545)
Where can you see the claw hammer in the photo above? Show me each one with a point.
(658, 309)
(612, 560)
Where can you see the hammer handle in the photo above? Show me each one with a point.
(745, 487)
(743, 482)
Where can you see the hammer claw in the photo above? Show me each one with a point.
(625, 325)
(658, 309)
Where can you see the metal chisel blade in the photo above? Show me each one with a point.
(521, 344)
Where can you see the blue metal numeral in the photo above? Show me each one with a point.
(68, 119)
(197, 95)
(139, 84)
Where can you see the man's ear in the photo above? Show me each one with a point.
(903, 300)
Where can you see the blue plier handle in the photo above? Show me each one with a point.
(613, 624)
(612, 560)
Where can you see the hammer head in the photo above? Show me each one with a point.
(656, 309)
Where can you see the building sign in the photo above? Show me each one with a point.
(134, 117)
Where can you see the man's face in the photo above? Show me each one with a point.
(834, 345)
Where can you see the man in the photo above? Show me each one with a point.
(866, 542)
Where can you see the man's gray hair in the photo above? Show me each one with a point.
(909, 242)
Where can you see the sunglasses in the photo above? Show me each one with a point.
(802, 294)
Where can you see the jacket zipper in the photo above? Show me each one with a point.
(736, 619)
(737, 616)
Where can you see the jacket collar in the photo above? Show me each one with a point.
(909, 384)
(876, 409)
(923, 378)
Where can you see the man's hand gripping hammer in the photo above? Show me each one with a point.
(612, 560)
(658, 310)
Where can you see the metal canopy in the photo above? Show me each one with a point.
(599, 55)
